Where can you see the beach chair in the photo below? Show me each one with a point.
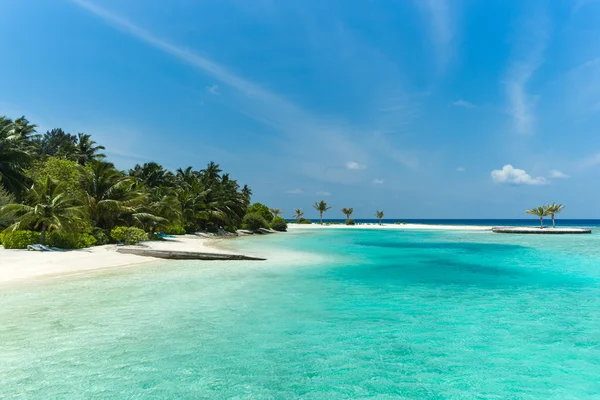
(38, 247)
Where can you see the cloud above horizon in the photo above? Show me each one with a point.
(323, 194)
(377, 181)
(463, 103)
(514, 176)
(556, 174)
(355, 166)
(295, 191)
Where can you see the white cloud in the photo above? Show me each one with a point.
(511, 175)
(442, 24)
(323, 194)
(463, 103)
(355, 165)
(591, 161)
(214, 89)
(295, 191)
(461, 169)
(527, 58)
(378, 181)
(558, 174)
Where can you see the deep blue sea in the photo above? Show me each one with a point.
(333, 314)
(474, 222)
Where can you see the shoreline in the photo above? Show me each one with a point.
(292, 226)
(22, 265)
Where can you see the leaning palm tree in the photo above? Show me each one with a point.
(321, 207)
(47, 208)
(276, 211)
(348, 212)
(298, 214)
(541, 212)
(554, 209)
(86, 150)
(379, 216)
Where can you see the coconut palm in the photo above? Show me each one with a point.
(86, 150)
(379, 216)
(321, 207)
(348, 212)
(15, 155)
(276, 211)
(554, 209)
(47, 207)
(298, 214)
(541, 212)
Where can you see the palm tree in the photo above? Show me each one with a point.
(541, 211)
(47, 207)
(298, 214)
(86, 150)
(554, 209)
(379, 216)
(348, 212)
(321, 207)
(276, 211)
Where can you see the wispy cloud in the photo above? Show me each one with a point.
(214, 89)
(295, 191)
(463, 103)
(528, 56)
(514, 176)
(377, 181)
(556, 174)
(442, 26)
(323, 194)
(591, 161)
(354, 165)
(460, 169)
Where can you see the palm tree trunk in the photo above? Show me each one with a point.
(43, 236)
(541, 222)
(553, 223)
(321, 213)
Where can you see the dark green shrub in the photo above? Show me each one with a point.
(304, 221)
(19, 239)
(262, 210)
(64, 240)
(279, 224)
(254, 221)
(128, 235)
(174, 230)
(101, 236)
(350, 221)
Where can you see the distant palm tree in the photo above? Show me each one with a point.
(541, 211)
(47, 207)
(276, 211)
(379, 215)
(321, 207)
(348, 212)
(298, 214)
(554, 209)
(86, 150)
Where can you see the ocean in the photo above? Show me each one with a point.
(333, 314)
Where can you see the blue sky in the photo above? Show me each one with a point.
(424, 108)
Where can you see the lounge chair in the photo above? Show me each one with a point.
(163, 236)
(38, 247)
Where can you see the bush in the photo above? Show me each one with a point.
(19, 239)
(128, 234)
(254, 221)
(64, 240)
(174, 230)
(279, 224)
(304, 221)
(350, 221)
(262, 210)
(102, 237)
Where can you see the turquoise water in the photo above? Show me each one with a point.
(359, 314)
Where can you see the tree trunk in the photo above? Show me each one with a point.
(43, 236)
(321, 213)
(541, 222)
(553, 223)
(380, 221)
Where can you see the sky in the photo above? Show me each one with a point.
(422, 108)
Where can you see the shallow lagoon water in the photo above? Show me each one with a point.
(358, 314)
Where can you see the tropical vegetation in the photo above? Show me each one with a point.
(379, 215)
(321, 207)
(554, 209)
(61, 186)
(540, 212)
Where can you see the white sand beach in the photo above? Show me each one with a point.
(392, 226)
(18, 265)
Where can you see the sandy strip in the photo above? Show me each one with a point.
(393, 226)
(18, 265)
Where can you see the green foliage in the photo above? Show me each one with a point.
(101, 236)
(174, 229)
(5, 198)
(19, 239)
(350, 221)
(261, 209)
(128, 234)
(254, 221)
(66, 172)
(66, 240)
(279, 224)
(304, 221)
